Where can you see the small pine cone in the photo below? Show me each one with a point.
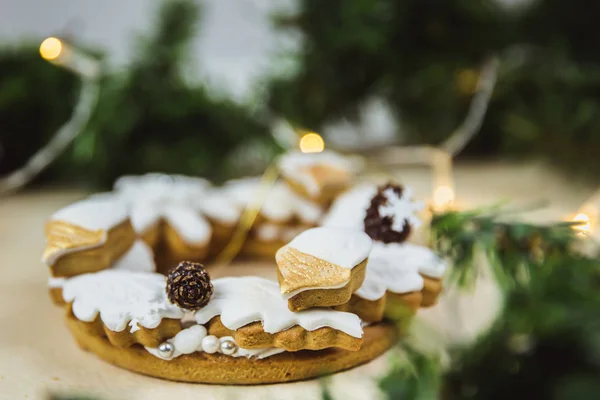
(379, 227)
(189, 286)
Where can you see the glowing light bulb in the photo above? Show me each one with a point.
(584, 222)
(312, 143)
(51, 48)
(443, 196)
(466, 80)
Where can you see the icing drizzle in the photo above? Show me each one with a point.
(401, 209)
(397, 268)
(174, 198)
(139, 258)
(349, 209)
(387, 271)
(297, 166)
(94, 213)
(345, 248)
(121, 298)
(242, 300)
(281, 203)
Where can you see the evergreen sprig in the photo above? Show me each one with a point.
(515, 250)
(545, 342)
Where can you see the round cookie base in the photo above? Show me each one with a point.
(226, 370)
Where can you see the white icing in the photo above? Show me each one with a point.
(139, 258)
(55, 283)
(269, 232)
(242, 191)
(193, 339)
(423, 258)
(390, 270)
(411, 256)
(349, 209)
(144, 215)
(153, 197)
(293, 165)
(280, 203)
(160, 186)
(94, 213)
(290, 232)
(401, 209)
(343, 247)
(191, 226)
(121, 298)
(240, 301)
(220, 207)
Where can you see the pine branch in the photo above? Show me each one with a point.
(544, 342)
(515, 250)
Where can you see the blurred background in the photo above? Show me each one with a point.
(505, 92)
(197, 87)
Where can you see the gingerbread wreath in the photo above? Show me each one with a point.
(342, 289)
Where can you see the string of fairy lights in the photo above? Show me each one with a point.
(89, 70)
(439, 159)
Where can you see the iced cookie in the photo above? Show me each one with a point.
(252, 311)
(389, 220)
(193, 356)
(392, 214)
(123, 306)
(112, 312)
(223, 213)
(317, 176)
(55, 286)
(349, 209)
(422, 260)
(165, 211)
(431, 267)
(392, 287)
(282, 214)
(139, 258)
(266, 238)
(322, 267)
(87, 236)
(280, 205)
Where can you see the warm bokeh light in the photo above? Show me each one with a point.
(312, 143)
(584, 222)
(443, 196)
(51, 48)
(466, 81)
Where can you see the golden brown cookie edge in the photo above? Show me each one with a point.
(221, 369)
(328, 297)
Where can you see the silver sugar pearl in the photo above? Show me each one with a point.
(165, 349)
(228, 347)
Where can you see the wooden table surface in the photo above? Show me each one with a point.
(38, 356)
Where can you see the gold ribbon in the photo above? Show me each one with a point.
(248, 216)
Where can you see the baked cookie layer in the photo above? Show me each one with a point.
(253, 336)
(431, 291)
(327, 297)
(318, 176)
(322, 267)
(118, 240)
(222, 369)
(394, 306)
(143, 336)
